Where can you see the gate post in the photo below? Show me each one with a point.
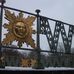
(1, 16)
(38, 64)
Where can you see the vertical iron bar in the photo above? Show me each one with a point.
(38, 64)
(1, 16)
(38, 28)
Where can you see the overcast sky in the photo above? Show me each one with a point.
(57, 9)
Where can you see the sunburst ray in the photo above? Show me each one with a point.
(9, 39)
(30, 20)
(9, 16)
(7, 26)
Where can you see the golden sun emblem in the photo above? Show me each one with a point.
(19, 29)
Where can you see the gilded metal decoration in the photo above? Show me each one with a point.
(19, 29)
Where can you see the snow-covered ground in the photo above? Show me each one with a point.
(30, 68)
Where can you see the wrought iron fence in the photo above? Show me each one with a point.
(43, 27)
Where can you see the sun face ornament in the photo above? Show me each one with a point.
(19, 29)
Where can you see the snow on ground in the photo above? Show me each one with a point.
(59, 68)
(30, 68)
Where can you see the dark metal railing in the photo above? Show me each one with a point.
(53, 38)
(43, 27)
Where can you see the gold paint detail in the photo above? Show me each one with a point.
(19, 29)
